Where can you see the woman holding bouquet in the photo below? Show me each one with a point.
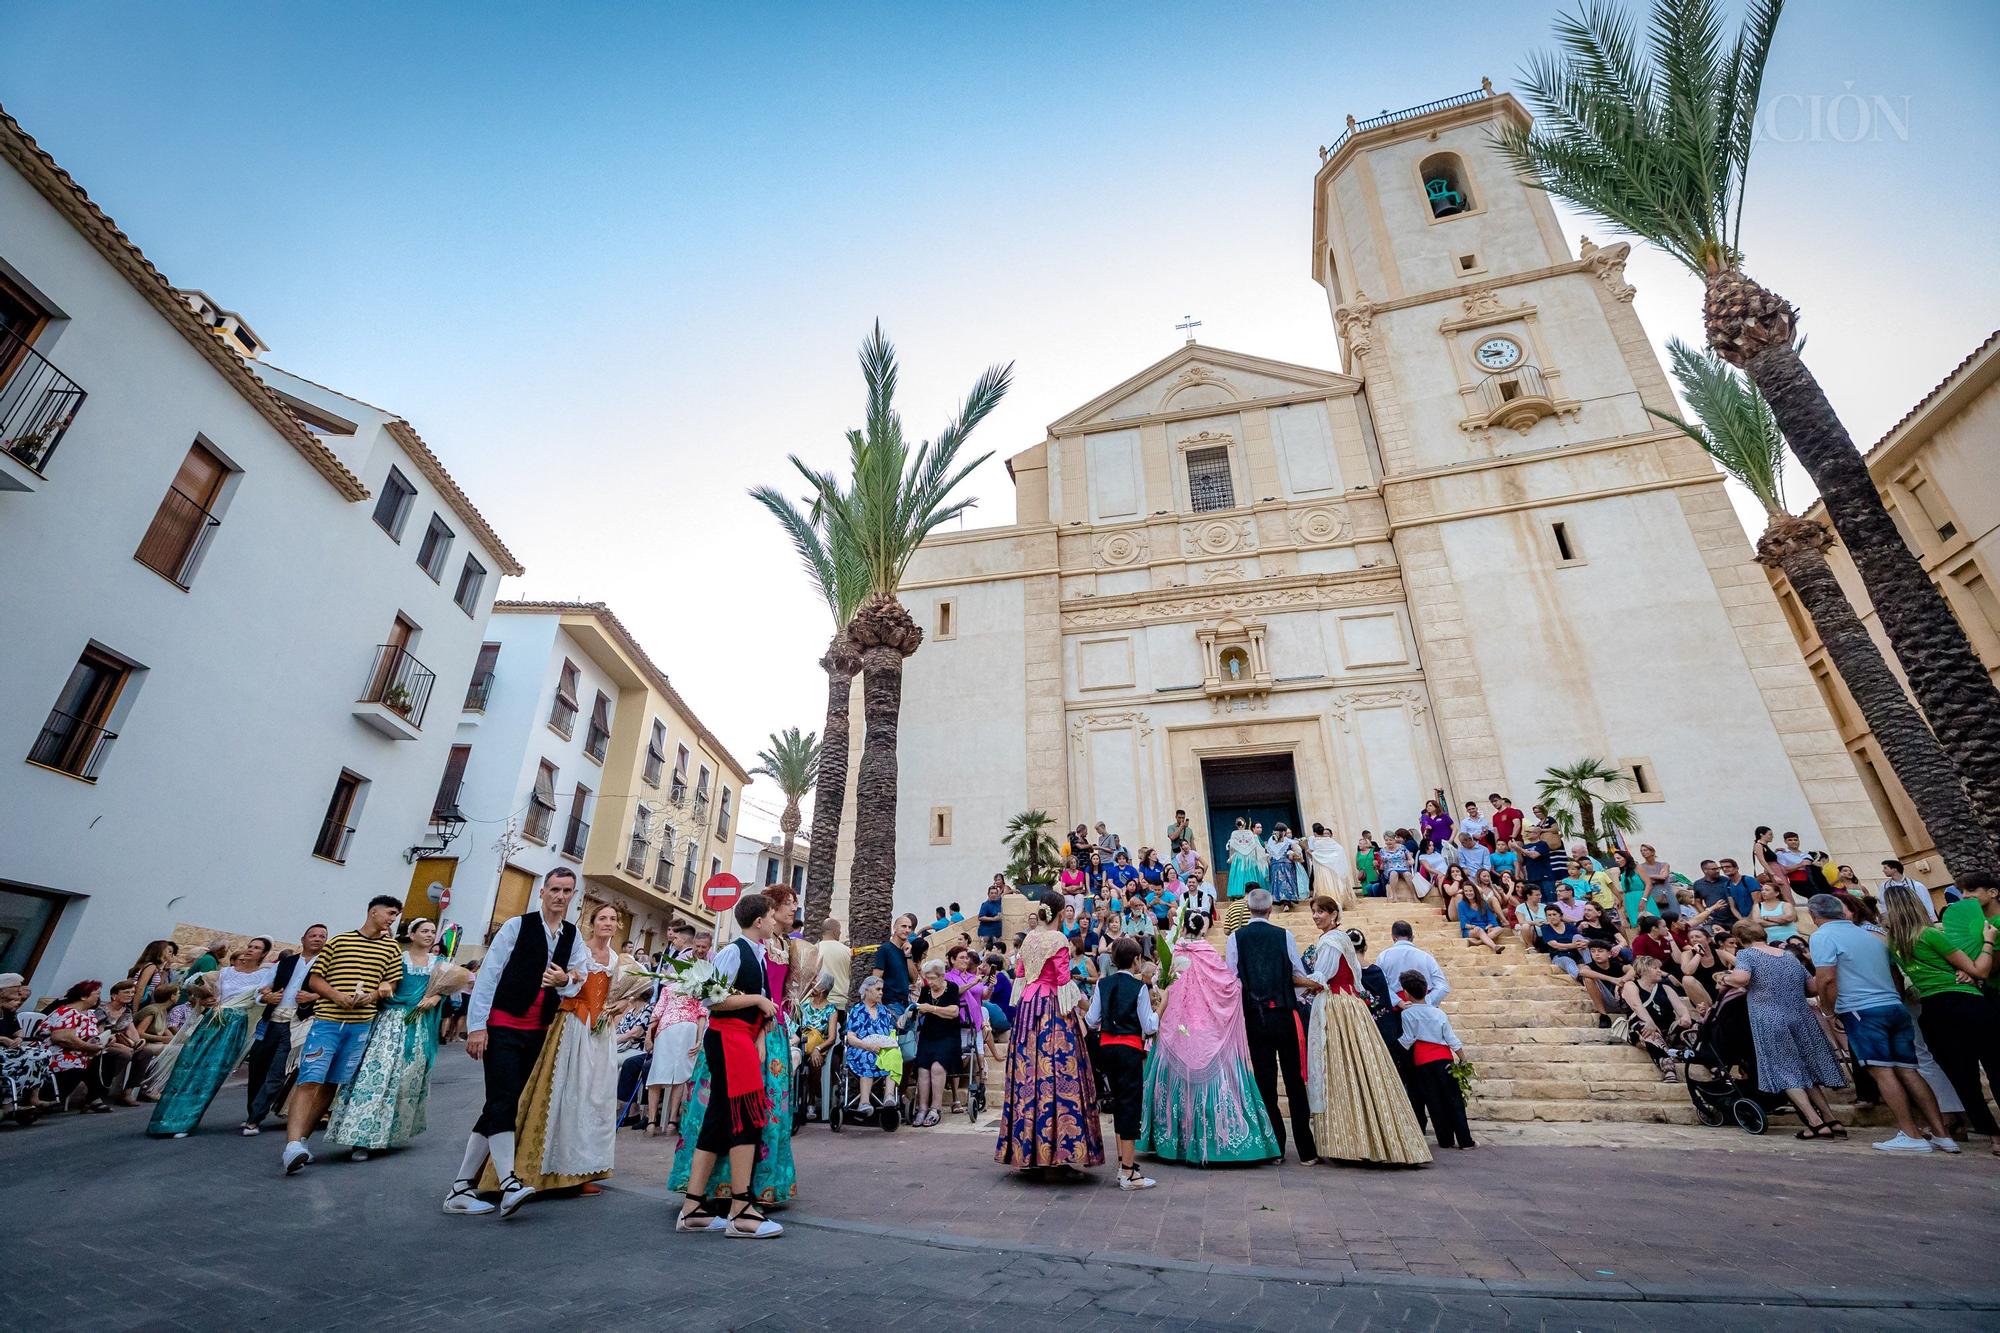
(569, 1111)
(1049, 1118)
(1360, 1112)
(788, 972)
(384, 1105)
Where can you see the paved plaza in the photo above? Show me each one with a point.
(920, 1229)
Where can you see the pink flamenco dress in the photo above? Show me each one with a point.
(1201, 1104)
(1049, 1118)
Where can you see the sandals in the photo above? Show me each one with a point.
(702, 1218)
(1839, 1130)
(1815, 1132)
(761, 1228)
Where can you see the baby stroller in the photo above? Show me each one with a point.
(1721, 1049)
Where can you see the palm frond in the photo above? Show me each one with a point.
(791, 760)
(1737, 428)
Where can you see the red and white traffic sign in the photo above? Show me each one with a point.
(721, 891)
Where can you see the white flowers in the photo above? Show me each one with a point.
(699, 980)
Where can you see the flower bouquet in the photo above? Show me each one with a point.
(1463, 1074)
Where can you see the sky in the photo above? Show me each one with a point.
(614, 259)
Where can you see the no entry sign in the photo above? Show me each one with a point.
(721, 891)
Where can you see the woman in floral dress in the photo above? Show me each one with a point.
(1201, 1102)
(384, 1106)
(1049, 1118)
(1282, 851)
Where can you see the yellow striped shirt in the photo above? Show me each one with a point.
(351, 962)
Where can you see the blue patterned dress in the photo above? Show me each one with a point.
(384, 1106)
(1284, 874)
(1050, 1114)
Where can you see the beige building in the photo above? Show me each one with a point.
(1940, 478)
(1243, 587)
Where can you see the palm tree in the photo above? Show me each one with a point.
(895, 498)
(837, 575)
(1031, 850)
(792, 761)
(1572, 794)
(1738, 431)
(1657, 143)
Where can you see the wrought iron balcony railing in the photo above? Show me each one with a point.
(333, 839)
(37, 402)
(400, 683)
(478, 692)
(174, 543)
(577, 838)
(72, 745)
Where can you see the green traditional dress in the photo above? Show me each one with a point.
(384, 1107)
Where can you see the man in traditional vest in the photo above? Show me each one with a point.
(1266, 959)
(535, 960)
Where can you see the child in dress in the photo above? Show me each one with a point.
(1433, 1046)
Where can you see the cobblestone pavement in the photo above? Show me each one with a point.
(112, 1231)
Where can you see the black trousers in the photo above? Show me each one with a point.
(1963, 1032)
(1124, 1069)
(1406, 1070)
(1274, 1051)
(269, 1055)
(509, 1063)
(1446, 1104)
(718, 1134)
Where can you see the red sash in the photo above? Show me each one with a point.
(743, 1068)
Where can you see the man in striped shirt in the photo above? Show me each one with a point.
(353, 974)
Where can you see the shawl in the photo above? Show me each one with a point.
(1043, 944)
(246, 1003)
(1333, 949)
(1244, 843)
(1203, 1018)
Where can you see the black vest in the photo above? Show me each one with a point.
(521, 993)
(742, 961)
(1265, 966)
(1118, 1005)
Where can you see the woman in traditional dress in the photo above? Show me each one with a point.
(384, 1105)
(1245, 871)
(1360, 1112)
(568, 1116)
(1282, 855)
(789, 970)
(1048, 1120)
(1202, 1105)
(190, 1071)
(1332, 873)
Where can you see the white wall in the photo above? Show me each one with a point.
(229, 744)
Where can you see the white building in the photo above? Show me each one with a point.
(238, 611)
(1246, 588)
(575, 749)
(760, 861)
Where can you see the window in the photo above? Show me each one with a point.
(541, 805)
(947, 619)
(446, 802)
(642, 836)
(179, 531)
(714, 866)
(1445, 186)
(663, 873)
(770, 870)
(1885, 805)
(701, 796)
(77, 735)
(722, 814)
(656, 754)
(1468, 264)
(1567, 550)
(1645, 781)
(481, 687)
(1209, 482)
(680, 787)
(392, 506)
(688, 873)
(471, 579)
(577, 836)
(562, 715)
(940, 825)
(798, 879)
(435, 546)
(337, 829)
(598, 738)
(1931, 505)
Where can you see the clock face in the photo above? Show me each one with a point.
(1497, 353)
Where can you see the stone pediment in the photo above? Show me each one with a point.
(1198, 378)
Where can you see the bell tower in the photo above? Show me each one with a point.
(1578, 582)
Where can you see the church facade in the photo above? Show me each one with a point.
(1240, 586)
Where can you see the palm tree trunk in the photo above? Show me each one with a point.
(1798, 547)
(1586, 816)
(1755, 329)
(788, 824)
(885, 635)
(830, 794)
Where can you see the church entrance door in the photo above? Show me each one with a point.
(1260, 788)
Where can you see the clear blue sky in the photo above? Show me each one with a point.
(613, 259)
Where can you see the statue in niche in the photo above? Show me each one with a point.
(1233, 662)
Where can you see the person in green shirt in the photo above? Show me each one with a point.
(1964, 922)
(1960, 1025)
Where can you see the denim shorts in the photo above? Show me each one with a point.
(1885, 1038)
(332, 1052)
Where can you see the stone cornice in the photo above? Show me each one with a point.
(1302, 592)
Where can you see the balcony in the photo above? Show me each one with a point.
(172, 547)
(72, 745)
(1516, 399)
(37, 404)
(541, 818)
(701, 809)
(663, 873)
(635, 856)
(596, 742)
(678, 793)
(332, 843)
(576, 838)
(478, 692)
(397, 693)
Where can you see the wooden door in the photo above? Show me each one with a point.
(429, 870)
(517, 888)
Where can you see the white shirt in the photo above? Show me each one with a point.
(231, 982)
(495, 962)
(290, 998)
(1426, 1022)
(1148, 1022)
(1403, 956)
(1477, 825)
(1916, 886)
